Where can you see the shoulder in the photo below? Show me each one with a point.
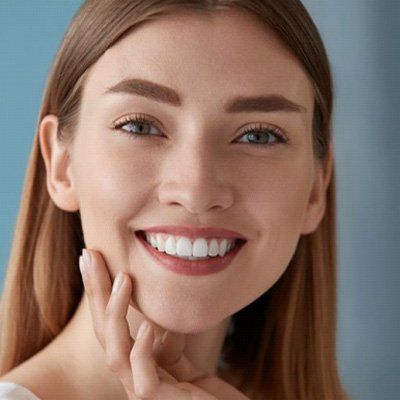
(23, 382)
(14, 391)
(34, 379)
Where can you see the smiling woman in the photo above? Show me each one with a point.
(208, 241)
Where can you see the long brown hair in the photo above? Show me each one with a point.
(283, 344)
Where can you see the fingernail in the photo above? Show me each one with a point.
(82, 266)
(86, 259)
(164, 338)
(117, 282)
(142, 329)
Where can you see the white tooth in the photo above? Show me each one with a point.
(200, 248)
(223, 247)
(160, 242)
(213, 249)
(170, 246)
(153, 240)
(184, 247)
(193, 258)
(232, 245)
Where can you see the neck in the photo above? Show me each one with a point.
(77, 353)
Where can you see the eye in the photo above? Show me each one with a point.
(264, 136)
(137, 126)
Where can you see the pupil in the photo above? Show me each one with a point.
(258, 137)
(138, 127)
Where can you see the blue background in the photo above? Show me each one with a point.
(363, 42)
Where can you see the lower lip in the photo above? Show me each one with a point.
(191, 267)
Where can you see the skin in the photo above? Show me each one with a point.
(271, 194)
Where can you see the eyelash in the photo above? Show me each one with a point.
(258, 128)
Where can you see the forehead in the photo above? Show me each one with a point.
(227, 52)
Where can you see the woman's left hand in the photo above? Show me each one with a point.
(148, 368)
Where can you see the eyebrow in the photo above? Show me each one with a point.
(164, 94)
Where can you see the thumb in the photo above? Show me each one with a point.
(171, 357)
(171, 348)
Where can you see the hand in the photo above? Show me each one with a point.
(150, 367)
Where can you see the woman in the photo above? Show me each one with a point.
(218, 215)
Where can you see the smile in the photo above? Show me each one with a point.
(184, 256)
(189, 249)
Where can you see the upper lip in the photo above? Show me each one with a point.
(193, 232)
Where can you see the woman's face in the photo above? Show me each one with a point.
(195, 165)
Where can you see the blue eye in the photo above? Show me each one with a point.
(140, 126)
(263, 136)
(137, 126)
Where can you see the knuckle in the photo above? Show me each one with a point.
(115, 363)
(108, 312)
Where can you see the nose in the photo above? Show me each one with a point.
(196, 177)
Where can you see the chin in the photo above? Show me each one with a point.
(188, 321)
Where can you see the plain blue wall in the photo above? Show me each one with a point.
(363, 42)
(30, 33)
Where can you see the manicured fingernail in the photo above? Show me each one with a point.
(164, 338)
(82, 266)
(86, 259)
(142, 329)
(117, 282)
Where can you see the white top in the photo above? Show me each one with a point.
(13, 391)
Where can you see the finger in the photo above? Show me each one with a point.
(147, 380)
(117, 339)
(170, 356)
(145, 377)
(98, 288)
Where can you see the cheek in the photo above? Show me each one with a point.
(269, 259)
(278, 201)
(279, 208)
(112, 188)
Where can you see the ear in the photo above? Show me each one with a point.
(317, 201)
(57, 160)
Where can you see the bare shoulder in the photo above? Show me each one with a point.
(36, 376)
(26, 374)
(17, 376)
